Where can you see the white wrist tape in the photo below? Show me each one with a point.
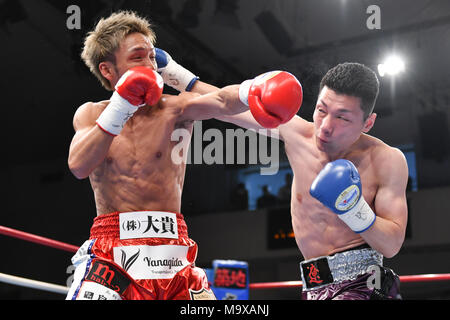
(244, 88)
(178, 77)
(116, 114)
(360, 217)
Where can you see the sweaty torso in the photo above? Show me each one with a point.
(138, 172)
(318, 231)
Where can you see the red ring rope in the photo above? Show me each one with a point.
(425, 277)
(404, 279)
(263, 285)
(37, 239)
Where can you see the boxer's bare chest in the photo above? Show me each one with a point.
(318, 231)
(145, 144)
(138, 172)
(307, 165)
(140, 158)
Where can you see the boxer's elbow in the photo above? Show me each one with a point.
(390, 252)
(79, 173)
(392, 248)
(78, 170)
(398, 240)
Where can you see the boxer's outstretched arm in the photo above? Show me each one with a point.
(388, 232)
(273, 98)
(90, 144)
(224, 101)
(183, 80)
(202, 88)
(243, 119)
(246, 120)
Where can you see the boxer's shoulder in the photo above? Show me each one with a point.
(91, 108)
(296, 127)
(379, 150)
(384, 158)
(88, 112)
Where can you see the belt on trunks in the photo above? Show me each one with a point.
(139, 224)
(338, 267)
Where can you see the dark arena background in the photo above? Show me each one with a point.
(232, 211)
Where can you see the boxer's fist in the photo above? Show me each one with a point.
(140, 86)
(137, 87)
(273, 97)
(173, 74)
(338, 187)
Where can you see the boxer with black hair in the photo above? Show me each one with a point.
(348, 202)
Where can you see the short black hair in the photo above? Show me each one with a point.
(356, 80)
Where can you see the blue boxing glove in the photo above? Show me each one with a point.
(172, 73)
(338, 187)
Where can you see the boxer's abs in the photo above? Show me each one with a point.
(136, 196)
(320, 232)
(138, 172)
(124, 184)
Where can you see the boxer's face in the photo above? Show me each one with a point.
(339, 121)
(135, 50)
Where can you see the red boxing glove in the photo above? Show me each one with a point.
(140, 86)
(273, 97)
(137, 87)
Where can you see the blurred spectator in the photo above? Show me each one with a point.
(284, 194)
(239, 198)
(267, 200)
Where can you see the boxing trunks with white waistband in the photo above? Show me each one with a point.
(354, 274)
(145, 255)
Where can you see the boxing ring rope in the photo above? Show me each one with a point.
(39, 285)
(33, 284)
(37, 239)
(403, 279)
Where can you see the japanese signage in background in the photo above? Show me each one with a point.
(230, 280)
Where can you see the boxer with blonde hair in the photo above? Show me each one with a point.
(139, 247)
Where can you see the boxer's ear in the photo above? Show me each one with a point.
(370, 121)
(108, 70)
